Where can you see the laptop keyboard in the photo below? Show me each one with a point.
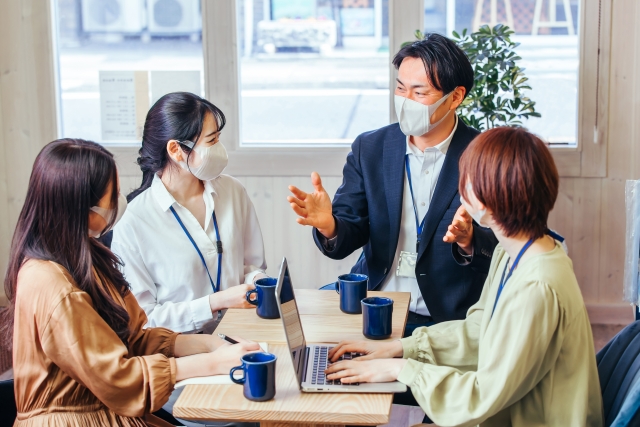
(320, 363)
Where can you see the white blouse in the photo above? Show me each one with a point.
(162, 266)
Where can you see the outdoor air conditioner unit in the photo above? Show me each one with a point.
(174, 17)
(113, 16)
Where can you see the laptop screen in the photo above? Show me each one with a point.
(291, 320)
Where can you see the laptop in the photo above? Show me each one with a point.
(310, 361)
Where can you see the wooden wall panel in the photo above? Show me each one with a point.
(624, 146)
(27, 105)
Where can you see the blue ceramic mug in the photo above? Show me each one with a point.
(259, 376)
(352, 289)
(265, 298)
(377, 317)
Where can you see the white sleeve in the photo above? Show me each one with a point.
(254, 259)
(177, 316)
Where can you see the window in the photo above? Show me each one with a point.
(312, 71)
(300, 79)
(547, 31)
(117, 57)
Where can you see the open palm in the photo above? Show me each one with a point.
(313, 209)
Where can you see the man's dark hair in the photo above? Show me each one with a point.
(446, 64)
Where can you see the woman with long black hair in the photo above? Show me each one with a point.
(190, 240)
(80, 353)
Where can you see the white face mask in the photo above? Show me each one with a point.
(107, 214)
(414, 117)
(208, 162)
(477, 214)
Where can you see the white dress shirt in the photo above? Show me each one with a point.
(162, 266)
(425, 170)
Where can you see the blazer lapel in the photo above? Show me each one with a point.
(446, 187)
(393, 171)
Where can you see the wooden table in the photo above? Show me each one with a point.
(322, 322)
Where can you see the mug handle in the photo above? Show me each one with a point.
(248, 297)
(237, 381)
(337, 287)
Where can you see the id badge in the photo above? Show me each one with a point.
(407, 264)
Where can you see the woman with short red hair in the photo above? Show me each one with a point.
(524, 355)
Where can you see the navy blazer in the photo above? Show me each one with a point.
(368, 209)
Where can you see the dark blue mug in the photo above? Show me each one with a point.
(265, 298)
(259, 376)
(377, 316)
(352, 289)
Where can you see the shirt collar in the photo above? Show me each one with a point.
(443, 147)
(165, 199)
(161, 194)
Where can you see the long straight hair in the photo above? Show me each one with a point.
(179, 116)
(69, 177)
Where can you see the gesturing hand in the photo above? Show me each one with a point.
(314, 208)
(461, 230)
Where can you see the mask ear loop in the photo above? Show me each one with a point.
(190, 145)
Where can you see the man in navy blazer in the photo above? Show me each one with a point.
(399, 197)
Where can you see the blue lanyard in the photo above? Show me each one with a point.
(419, 225)
(215, 287)
(503, 280)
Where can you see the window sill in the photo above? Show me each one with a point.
(255, 161)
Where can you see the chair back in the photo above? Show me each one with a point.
(8, 411)
(618, 367)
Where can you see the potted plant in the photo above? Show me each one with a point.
(498, 95)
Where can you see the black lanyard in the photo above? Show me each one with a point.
(503, 280)
(419, 225)
(215, 287)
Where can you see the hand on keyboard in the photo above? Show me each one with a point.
(321, 362)
(367, 350)
(365, 371)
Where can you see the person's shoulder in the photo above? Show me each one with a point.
(141, 203)
(228, 184)
(554, 272)
(467, 132)
(230, 189)
(45, 282)
(137, 211)
(380, 135)
(228, 181)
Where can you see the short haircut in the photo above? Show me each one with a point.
(513, 174)
(447, 65)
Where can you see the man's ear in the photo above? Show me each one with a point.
(175, 152)
(457, 97)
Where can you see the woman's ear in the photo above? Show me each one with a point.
(174, 151)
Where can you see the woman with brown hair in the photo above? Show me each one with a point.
(524, 354)
(80, 354)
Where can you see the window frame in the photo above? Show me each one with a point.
(221, 68)
(588, 158)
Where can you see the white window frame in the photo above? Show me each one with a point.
(221, 68)
(222, 86)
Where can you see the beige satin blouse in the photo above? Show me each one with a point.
(71, 368)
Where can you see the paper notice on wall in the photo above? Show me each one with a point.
(124, 102)
(164, 82)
